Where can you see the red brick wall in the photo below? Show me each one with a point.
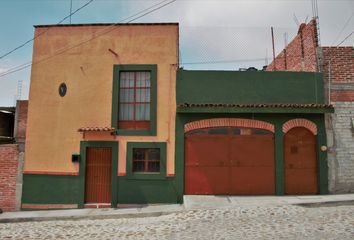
(8, 175)
(21, 120)
(300, 54)
(340, 61)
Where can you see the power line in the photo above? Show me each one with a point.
(345, 25)
(28, 41)
(110, 28)
(345, 38)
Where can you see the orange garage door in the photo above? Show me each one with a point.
(229, 160)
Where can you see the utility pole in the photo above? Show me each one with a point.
(274, 68)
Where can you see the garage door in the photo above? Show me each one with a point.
(229, 160)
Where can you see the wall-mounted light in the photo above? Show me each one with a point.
(75, 157)
(4, 111)
(323, 148)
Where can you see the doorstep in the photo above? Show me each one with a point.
(97, 205)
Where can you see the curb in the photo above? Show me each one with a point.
(326, 204)
(87, 217)
(139, 214)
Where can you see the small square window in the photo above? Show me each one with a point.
(146, 160)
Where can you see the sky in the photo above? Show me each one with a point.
(214, 34)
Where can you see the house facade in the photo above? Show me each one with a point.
(113, 120)
(109, 99)
(336, 63)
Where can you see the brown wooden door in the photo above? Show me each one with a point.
(300, 160)
(98, 175)
(224, 161)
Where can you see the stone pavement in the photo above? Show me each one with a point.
(232, 218)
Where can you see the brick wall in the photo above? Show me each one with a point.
(8, 175)
(338, 65)
(300, 54)
(21, 121)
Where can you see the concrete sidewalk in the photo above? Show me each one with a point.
(191, 202)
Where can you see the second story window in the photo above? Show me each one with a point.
(134, 100)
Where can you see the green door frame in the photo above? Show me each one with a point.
(114, 186)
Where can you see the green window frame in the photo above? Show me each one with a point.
(117, 69)
(146, 175)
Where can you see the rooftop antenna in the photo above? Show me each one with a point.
(18, 95)
(71, 8)
(296, 20)
(307, 17)
(285, 45)
(19, 89)
(315, 16)
(274, 67)
(285, 39)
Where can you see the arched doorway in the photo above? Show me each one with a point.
(300, 161)
(234, 160)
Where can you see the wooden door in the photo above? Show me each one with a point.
(300, 160)
(98, 175)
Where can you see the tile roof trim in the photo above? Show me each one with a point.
(96, 129)
(275, 105)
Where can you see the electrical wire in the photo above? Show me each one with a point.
(345, 38)
(109, 29)
(345, 25)
(28, 41)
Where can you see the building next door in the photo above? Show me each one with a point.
(229, 160)
(98, 175)
(300, 161)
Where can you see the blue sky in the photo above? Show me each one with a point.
(210, 30)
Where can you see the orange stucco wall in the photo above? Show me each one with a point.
(87, 70)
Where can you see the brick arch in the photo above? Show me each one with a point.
(228, 122)
(300, 122)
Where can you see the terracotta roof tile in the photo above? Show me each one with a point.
(275, 105)
(96, 129)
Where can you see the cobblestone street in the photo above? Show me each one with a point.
(253, 222)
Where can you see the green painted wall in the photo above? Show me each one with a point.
(135, 191)
(278, 120)
(50, 189)
(140, 188)
(249, 87)
(130, 189)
